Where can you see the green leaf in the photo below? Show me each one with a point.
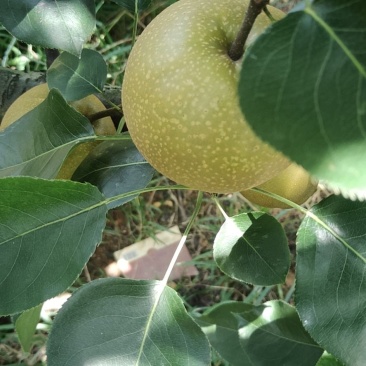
(76, 77)
(253, 248)
(330, 277)
(303, 83)
(115, 167)
(126, 322)
(272, 334)
(65, 25)
(25, 326)
(269, 334)
(130, 5)
(328, 360)
(38, 143)
(48, 231)
(221, 327)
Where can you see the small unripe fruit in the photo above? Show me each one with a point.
(294, 184)
(86, 106)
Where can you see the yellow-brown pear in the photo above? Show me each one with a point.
(294, 183)
(180, 98)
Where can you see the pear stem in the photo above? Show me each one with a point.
(254, 9)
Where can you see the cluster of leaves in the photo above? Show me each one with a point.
(310, 84)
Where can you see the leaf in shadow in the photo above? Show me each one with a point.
(221, 327)
(253, 248)
(48, 231)
(37, 143)
(77, 77)
(330, 277)
(310, 84)
(115, 167)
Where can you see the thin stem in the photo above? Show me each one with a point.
(254, 9)
(115, 137)
(98, 204)
(183, 239)
(87, 274)
(220, 208)
(135, 23)
(121, 124)
(140, 191)
(268, 13)
(110, 112)
(281, 199)
(164, 281)
(7, 51)
(312, 216)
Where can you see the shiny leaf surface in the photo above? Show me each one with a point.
(330, 277)
(118, 321)
(77, 77)
(65, 25)
(253, 248)
(310, 85)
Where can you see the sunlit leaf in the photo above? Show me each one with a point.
(121, 322)
(25, 326)
(328, 360)
(253, 248)
(48, 231)
(77, 77)
(65, 25)
(330, 277)
(38, 143)
(303, 90)
(272, 334)
(221, 327)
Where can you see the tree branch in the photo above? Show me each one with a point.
(110, 112)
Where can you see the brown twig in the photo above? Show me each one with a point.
(110, 112)
(255, 8)
(269, 15)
